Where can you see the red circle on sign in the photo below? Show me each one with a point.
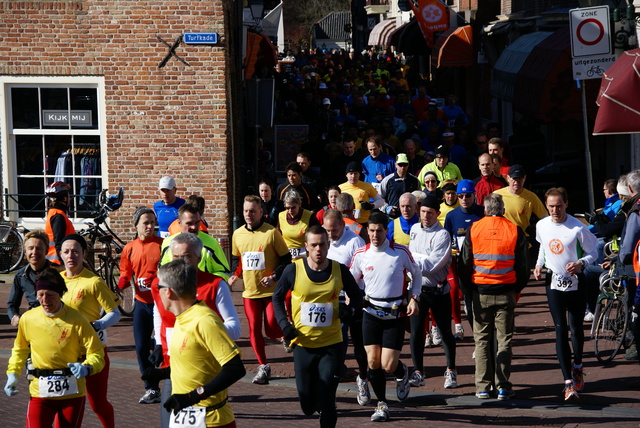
(589, 21)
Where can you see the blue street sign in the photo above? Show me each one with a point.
(200, 38)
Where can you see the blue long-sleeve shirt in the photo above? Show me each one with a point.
(459, 220)
(383, 165)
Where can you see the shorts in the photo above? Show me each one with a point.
(387, 333)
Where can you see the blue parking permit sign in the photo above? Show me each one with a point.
(200, 38)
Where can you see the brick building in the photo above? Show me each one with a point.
(82, 97)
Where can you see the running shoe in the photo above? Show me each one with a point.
(505, 393)
(570, 392)
(483, 395)
(631, 354)
(364, 396)
(578, 379)
(459, 335)
(263, 375)
(450, 379)
(150, 397)
(417, 379)
(286, 345)
(382, 413)
(588, 316)
(427, 341)
(402, 385)
(435, 334)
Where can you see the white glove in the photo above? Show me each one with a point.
(11, 388)
(78, 370)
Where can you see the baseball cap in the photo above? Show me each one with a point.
(466, 186)
(517, 171)
(322, 86)
(167, 182)
(354, 167)
(402, 158)
(442, 151)
(326, 101)
(448, 134)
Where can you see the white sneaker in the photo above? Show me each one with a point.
(450, 379)
(417, 379)
(427, 341)
(459, 335)
(263, 375)
(150, 397)
(382, 413)
(588, 316)
(364, 396)
(435, 334)
(402, 385)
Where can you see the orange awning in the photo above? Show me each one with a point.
(454, 48)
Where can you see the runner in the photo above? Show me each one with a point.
(167, 208)
(139, 262)
(566, 248)
(89, 294)
(382, 266)
(204, 360)
(315, 283)
(36, 244)
(51, 340)
(262, 256)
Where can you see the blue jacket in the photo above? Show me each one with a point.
(383, 165)
(23, 285)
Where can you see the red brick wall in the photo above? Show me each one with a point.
(160, 121)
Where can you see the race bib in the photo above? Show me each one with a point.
(144, 284)
(102, 334)
(298, 253)
(57, 386)
(316, 314)
(564, 282)
(189, 417)
(253, 260)
(168, 334)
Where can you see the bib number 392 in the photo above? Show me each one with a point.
(189, 417)
(564, 282)
(316, 314)
(57, 386)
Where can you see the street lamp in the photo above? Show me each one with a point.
(257, 8)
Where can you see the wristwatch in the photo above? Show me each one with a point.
(416, 297)
(584, 265)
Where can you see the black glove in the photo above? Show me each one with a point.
(289, 332)
(345, 313)
(156, 358)
(366, 205)
(177, 402)
(154, 375)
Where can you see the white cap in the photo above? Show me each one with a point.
(326, 101)
(167, 182)
(322, 86)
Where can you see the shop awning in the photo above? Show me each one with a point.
(379, 35)
(411, 41)
(394, 37)
(454, 48)
(544, 86)
(618, 101)
(510, 62)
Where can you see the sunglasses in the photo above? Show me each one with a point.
(162, 286)
(465, 195)
(430, 181)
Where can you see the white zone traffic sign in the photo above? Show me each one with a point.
(590, 31)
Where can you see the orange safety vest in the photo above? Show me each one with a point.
(353, 225)
(636, 262)
(52, 255)
(494, 244)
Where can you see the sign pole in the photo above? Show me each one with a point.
(587, 150)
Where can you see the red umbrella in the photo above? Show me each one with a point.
(619, 111)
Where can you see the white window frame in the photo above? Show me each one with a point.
(7, 135)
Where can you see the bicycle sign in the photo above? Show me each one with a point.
(591, 67)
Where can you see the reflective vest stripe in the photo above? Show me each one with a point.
(493, 257)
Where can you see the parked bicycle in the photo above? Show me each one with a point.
(105, 248)
(11, 248)
(611, 317)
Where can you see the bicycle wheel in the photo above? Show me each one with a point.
(11, 249)
(127, 296)
(610, 330)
